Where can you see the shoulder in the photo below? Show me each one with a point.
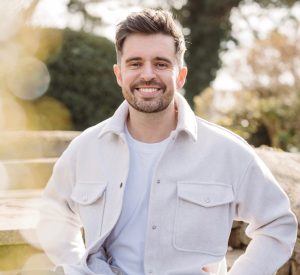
(88, 137)
(218, 131)
(223, 140)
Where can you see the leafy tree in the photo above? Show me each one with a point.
(210, 27)
(80, 7)
(24, 78)
(274, 94)
(79, 63)
(82, 77)
(267, 108)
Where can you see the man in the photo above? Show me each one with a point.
(156, 188)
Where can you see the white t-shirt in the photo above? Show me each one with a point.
(126, 242)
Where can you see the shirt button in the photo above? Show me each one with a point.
(207, 200)
(158, 181)
(154, 227)
(121, 184)
(150, 272)
(85, 197)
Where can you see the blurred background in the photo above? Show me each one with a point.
(243, 57)
(56, 79)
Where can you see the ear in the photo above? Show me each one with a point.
(181, 77)
(117, 72)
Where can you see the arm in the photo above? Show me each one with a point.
(59, 227)
(272, 226)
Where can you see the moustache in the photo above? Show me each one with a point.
(147, 83)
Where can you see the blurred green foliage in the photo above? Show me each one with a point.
(25, 113)
(267, 108)
(210, 28)
(209, 25)
(82, 90)
(266, 121)
(82, 77)
(46, 113)
(81, 7)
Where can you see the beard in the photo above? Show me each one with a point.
(152, 104)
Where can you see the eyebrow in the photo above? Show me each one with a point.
(158, 58)
(133, 59)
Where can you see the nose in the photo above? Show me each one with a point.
(147, 72)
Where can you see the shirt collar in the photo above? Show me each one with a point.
(186, 119)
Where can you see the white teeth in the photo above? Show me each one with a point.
(148, 90)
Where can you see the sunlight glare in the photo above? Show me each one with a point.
(10, 19)
(29, 80)
(4, 179)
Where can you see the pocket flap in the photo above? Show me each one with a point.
(88, 192)
(205, 194)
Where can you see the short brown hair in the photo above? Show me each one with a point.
(150, 21)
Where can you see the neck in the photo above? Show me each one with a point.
(154, 127)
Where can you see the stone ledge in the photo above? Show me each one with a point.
(26, 173)
(19, 215)
(18, 242)
(285, 167)
(34, 144)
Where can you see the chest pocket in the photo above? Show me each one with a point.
(90, 200)
(203, 217)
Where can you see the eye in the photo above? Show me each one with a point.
(161, 65)
(135, 65)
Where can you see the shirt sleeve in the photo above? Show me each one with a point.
(262, 204)
(59, 227)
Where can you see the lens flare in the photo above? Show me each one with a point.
(37, 261)
(4, 179)
(11, 19)
(12, 114)
(1, 114)
(29, 79)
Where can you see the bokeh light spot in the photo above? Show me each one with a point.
(29, 79)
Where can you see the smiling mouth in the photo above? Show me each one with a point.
(148, 90)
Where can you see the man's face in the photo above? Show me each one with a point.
(148, 72)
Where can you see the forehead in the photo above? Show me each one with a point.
(149, 46)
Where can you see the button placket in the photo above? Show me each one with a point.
(207, 200)
(85, 197)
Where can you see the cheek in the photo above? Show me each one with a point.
(128, 78)
(173, 82)
(169, 78)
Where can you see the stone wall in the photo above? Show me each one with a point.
(286, 169)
